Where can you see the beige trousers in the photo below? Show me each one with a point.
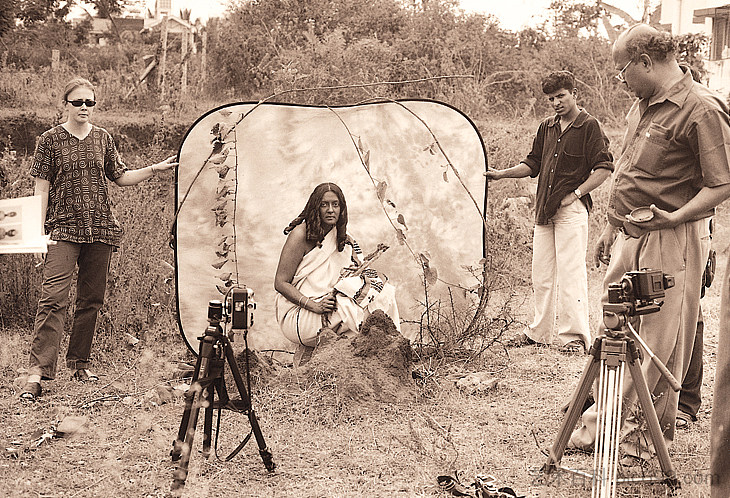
(682, 253)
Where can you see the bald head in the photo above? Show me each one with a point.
(644, 39)
(646, 59)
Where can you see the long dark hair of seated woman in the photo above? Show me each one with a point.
(310, 214)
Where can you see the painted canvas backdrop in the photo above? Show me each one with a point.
(246, 170)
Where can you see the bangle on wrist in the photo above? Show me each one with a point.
(306, 301)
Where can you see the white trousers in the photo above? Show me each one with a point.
(559, 277)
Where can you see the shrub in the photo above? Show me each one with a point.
(139, 288)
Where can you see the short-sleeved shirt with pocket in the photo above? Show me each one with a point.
(79, 209)
(675, 144)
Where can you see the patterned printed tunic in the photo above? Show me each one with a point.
(78, 200)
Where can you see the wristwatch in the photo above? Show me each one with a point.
(578, 193)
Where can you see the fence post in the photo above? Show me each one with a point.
(55, 59)
(163, 58)
(204, 58)
(184, 69)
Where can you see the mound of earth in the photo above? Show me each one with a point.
(262, 368)
(375, 365)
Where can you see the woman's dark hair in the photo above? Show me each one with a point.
(313, 222)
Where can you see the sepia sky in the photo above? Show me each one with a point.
(517, 14)
(513, 14)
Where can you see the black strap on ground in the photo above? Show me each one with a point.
(238, 407)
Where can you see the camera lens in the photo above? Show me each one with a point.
(215, 310)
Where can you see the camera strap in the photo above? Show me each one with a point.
(238, 448)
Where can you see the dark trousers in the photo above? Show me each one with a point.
(61, 261)
(690, 397)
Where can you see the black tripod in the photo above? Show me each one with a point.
(215, 350)
(610, 353)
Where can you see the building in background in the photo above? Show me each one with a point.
(101, 29)
(134, 19)
(711, 17)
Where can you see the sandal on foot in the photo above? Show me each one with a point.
(573, 347)
(521, 340)
(683, 420)
(31, 391)
(85, 375)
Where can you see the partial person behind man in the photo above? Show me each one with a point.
(570, 157)
(720, 427)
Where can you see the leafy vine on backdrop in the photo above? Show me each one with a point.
(224, 144)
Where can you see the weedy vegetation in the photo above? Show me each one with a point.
(118, 433)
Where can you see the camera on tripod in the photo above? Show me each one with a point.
(208, 382)
(238, 310)
(635, 294)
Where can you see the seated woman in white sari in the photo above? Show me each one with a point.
(320, 282)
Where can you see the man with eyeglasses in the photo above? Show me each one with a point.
(675, 161)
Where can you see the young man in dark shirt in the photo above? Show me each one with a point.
(570, 157)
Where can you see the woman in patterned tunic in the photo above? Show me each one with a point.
(72, 166)
(317, 282)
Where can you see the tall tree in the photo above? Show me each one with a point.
(32, 11)
(7, 16)
(573, 16)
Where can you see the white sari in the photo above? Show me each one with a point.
(357, 296)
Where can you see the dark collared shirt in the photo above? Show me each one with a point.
(675, 144)
(79, 209)
(564, 160)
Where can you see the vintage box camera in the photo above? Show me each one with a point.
(640, 286)
(240, 308)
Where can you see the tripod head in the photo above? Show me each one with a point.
(637, 293)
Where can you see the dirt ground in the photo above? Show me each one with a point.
(325, 441)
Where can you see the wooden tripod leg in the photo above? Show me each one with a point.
(647, 407)
(589, 375)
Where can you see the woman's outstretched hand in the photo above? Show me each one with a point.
(166, 164)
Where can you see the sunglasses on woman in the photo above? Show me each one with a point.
(80, 102)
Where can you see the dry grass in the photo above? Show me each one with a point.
(323, 443)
